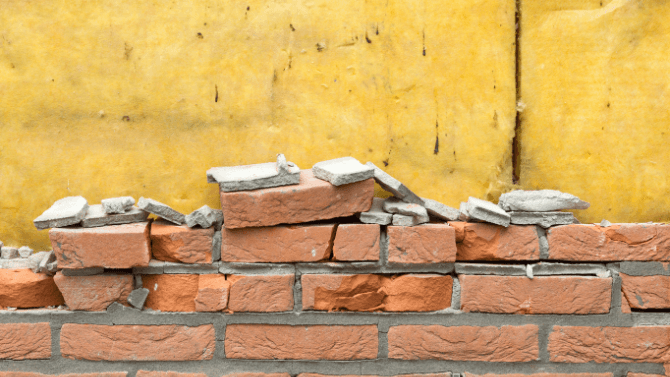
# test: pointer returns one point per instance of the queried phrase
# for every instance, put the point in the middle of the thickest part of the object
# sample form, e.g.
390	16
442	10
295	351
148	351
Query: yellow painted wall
103	99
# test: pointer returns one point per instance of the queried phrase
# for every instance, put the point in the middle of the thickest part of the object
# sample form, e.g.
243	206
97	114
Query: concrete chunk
64	212
48	258
35	260
394	186
403	220
486	211
83	271
395	205
25	251
117	205
162	210
605	223
205	217
96	217
376	214
216	246
252	177
137	297
9	252
543	219
540	201
441	211
341	171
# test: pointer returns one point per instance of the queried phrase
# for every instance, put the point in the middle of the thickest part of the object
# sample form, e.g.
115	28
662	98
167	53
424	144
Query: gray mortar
544	242
191	268
216	246
644	268
237	268
456	295
83	271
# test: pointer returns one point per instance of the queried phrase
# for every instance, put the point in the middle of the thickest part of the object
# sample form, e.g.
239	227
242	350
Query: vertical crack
516	144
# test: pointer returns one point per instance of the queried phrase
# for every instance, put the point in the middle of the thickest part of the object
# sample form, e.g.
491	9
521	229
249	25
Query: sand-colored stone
25	341
634	242
261	293
356	242
464	343
137	343
428	243
179	243
299	243
489	242
146	373
95	292
22	288
213	291
540	295
113	246
646	292
317	342
171	292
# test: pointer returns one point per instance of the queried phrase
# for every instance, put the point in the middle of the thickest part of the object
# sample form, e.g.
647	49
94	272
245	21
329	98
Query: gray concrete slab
257	176
64	212
162	210
543	219
117	205
397	206
394	186
205	217
376	214
540	201
96	217
402	220
342	171
441	211
486	211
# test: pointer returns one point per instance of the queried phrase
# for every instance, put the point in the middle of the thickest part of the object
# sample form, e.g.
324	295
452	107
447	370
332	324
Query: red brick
318	342
466	343
313	199
279	244
179	243
25	289
540	295
33	374
137	343
213	291
428	243
488	242
356	242
114	246
94	293
25	341
646	292
581	344
639	242
171	292
257	375
261	293
541	375
418	293
145	373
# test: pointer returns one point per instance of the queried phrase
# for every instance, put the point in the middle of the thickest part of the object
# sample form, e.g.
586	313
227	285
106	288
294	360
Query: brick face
25	289
96	292
646	292
261	293
179	243
488	242
171	292
428	243
356	242
25	341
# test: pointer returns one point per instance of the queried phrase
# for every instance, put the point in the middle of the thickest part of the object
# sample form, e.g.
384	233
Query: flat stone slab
117	205
540	201
64	212
96	216
543	219
404	220
376	214
162	210
342	171
486	211
205	217
394	186
441	211
257	176
395	205
7	252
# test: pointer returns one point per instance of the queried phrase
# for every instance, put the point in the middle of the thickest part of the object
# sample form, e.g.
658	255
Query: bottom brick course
22	341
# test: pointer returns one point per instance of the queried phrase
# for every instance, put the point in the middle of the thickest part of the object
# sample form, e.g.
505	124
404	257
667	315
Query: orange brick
418	293
179	243
488	242
171	292
96	292
428	243
356	242
25	341
213	291
25	289
646	292
261	293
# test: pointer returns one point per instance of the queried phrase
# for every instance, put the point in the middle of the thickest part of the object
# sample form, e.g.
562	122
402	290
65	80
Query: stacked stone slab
540	207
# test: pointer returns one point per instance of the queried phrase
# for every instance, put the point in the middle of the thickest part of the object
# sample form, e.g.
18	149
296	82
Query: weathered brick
541	375
33	374
95	292
489	242
137	343
261	293
146	373
171	292
634	242
540	295
313	199
23	288
646	292
318	342
114	246
179	243
466	343
25	341
428	243
213	291
356	242
418	293
581	344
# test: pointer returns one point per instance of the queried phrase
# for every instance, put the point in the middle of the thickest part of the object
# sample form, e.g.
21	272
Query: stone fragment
257	176
342	171
179	243
403	220
94	293
486	211
540	201
441	211
117	205
376	214
313	199
25	251
213	291
543	219
44	262
394	186
162	210
463	212
64	212
96	216
356	242
205	217
605	223
51	268
261	293
429	243
83	271
488	242
216	246
112	246
9	252
26	289
138	297
171	292
395	205
25	341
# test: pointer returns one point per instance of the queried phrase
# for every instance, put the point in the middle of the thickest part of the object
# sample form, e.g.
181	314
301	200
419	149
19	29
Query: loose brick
319	342
213	291
145	373
171	292
466	343
114	246
488	242
137	343
25	341
542	375
541	295
95	292
278	244
633	242
646	292
313	199
25	289
32	374
356	242
179	243
429	243
581	344
261	293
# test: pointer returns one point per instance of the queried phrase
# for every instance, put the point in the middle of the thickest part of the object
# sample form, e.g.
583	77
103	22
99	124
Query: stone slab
394	186
486	211
540	201
205	217
376	214
342	171
117	205
256	176
162	210
9	252
96	216
543	219
439	210
397	206
402	220
64	212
